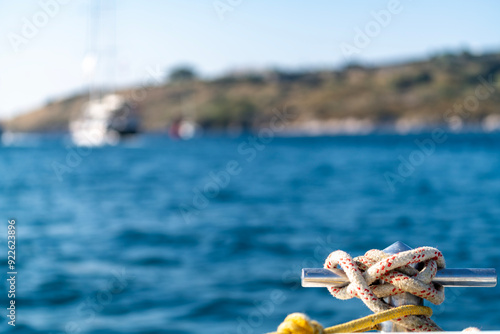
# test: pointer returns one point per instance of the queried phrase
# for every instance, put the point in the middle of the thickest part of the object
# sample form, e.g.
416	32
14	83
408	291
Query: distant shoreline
298	132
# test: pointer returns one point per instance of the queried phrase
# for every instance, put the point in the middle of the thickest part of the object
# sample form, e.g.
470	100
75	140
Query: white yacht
104	121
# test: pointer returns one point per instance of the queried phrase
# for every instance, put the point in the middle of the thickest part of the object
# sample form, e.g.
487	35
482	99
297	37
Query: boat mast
101	56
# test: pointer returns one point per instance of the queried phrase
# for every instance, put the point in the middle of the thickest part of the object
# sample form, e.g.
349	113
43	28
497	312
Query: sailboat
105	121
105	118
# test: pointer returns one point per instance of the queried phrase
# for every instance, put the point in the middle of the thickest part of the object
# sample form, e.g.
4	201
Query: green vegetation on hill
424	92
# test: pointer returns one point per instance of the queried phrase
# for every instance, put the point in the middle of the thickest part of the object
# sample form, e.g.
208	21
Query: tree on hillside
182	73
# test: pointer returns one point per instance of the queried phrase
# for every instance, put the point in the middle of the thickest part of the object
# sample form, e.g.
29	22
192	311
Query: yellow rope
298	323
369	322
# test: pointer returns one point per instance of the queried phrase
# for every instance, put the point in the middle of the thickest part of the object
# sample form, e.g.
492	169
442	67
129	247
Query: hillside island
454	90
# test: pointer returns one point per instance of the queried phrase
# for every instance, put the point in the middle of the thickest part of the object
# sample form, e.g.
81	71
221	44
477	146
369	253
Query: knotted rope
395	275
377	275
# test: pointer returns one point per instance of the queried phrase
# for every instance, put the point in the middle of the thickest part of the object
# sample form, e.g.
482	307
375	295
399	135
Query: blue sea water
137	238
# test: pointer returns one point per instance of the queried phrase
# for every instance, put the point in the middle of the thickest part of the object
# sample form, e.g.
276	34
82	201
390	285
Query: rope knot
299	323
377	275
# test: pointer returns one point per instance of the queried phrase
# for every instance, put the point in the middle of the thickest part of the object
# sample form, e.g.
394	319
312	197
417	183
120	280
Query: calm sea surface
210	235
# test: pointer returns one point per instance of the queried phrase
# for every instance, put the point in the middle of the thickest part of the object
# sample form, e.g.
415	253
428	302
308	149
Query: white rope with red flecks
377	275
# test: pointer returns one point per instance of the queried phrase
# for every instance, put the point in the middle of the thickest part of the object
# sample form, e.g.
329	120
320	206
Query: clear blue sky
159	34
